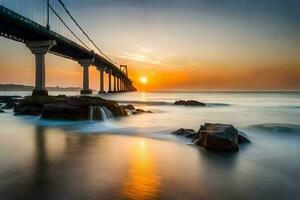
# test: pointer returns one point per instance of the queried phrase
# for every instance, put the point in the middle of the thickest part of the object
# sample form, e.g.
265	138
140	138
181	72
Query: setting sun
143	79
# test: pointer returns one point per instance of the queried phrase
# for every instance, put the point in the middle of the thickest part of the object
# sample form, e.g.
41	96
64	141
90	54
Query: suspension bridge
48	26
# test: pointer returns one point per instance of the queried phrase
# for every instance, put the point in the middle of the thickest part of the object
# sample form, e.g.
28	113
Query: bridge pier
109	81
118	84
101	91
122	85
39	49
85	63
115	83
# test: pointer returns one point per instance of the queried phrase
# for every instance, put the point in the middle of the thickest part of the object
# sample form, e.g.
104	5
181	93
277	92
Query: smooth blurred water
136	157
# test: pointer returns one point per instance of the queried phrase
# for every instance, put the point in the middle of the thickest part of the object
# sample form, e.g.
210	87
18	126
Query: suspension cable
68	27
68	12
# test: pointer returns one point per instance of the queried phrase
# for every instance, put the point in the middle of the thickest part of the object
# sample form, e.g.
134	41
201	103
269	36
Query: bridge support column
109	80
115	83
101	81
122	85
118	84
85	63
39	49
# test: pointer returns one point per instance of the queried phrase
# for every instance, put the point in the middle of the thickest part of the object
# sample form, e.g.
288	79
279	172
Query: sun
144	80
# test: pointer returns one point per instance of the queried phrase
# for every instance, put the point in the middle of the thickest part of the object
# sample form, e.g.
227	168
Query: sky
179	45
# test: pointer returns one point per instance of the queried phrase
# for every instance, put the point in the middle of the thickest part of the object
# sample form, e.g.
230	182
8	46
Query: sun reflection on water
142	182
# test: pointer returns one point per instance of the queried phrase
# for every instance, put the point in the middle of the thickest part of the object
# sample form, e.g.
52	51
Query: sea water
136	157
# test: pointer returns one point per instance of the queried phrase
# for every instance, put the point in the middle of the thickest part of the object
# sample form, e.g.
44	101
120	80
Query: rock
218	137
63	107
9	101
242	138
129	107
189	103
64	111
189	133
5	99
2	111
9	105
140	111
27	110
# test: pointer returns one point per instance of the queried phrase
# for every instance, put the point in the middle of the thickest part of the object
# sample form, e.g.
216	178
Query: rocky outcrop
140	111
189	103
63	107
9	101
132	110
128	107
215	137
189	133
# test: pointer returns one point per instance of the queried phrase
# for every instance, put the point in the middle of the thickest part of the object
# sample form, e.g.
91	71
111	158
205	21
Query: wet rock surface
215	137
189	133
128	107
134	110
189	103
63	107
2	111
9	101
140	111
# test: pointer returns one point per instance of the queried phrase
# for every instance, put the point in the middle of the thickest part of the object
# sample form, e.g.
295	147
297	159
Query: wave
275	128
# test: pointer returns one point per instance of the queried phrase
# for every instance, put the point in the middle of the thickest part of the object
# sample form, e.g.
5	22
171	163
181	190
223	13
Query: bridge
47	26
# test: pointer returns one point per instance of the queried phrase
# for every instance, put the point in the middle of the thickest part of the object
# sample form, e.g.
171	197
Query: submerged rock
189	133
140	111
189	103
128	107
63	107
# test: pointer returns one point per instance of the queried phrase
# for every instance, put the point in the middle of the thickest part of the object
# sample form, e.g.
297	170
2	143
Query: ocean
137	158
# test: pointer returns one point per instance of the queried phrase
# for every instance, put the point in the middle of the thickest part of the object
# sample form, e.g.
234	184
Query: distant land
16	87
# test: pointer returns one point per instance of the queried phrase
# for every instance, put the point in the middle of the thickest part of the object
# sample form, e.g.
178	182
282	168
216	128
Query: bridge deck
17	27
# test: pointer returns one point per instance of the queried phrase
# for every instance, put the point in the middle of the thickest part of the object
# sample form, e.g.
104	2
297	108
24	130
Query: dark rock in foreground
218	137
63	107
189	103
215	137
2	111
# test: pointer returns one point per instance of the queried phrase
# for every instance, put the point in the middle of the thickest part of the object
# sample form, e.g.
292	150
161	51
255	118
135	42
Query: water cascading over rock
99	113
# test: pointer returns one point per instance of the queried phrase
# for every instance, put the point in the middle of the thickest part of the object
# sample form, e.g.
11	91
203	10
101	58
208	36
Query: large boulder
189	103
62	107
218	137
